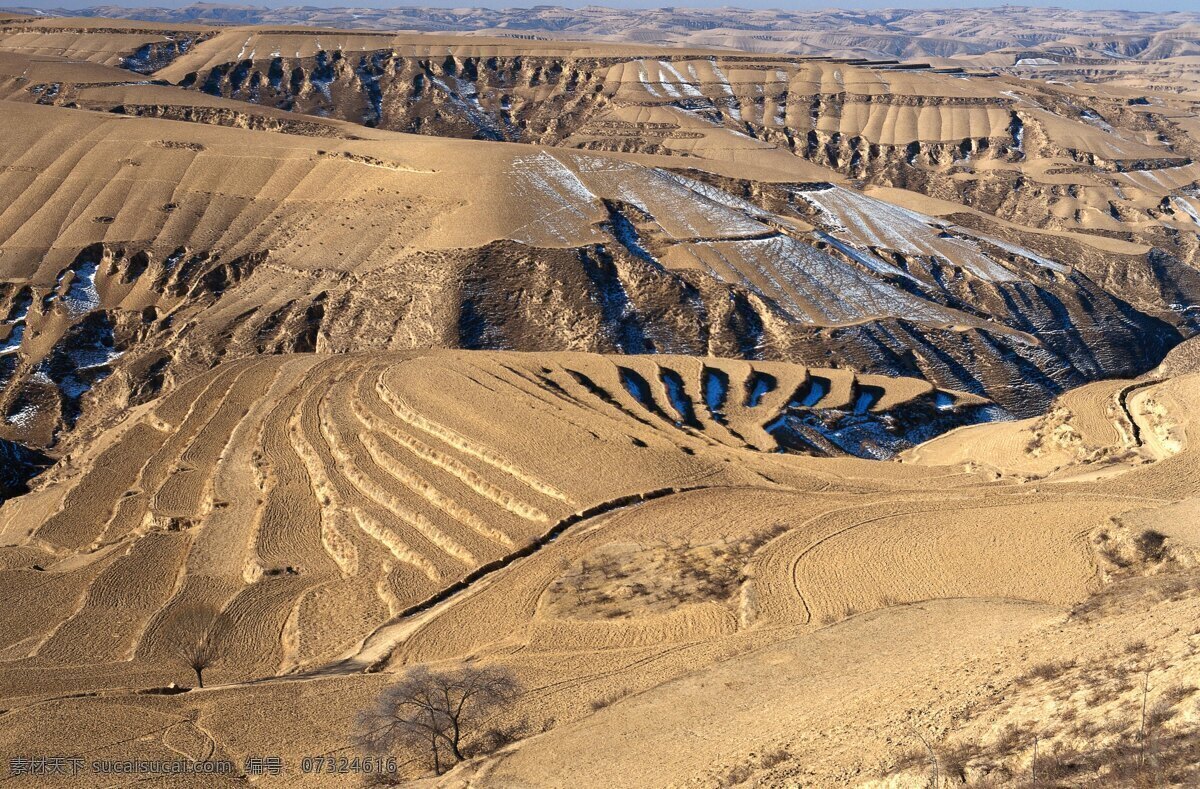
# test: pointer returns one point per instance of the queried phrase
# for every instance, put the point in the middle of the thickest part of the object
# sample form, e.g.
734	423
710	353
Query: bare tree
1033	765
933	760
195	645
1142	727
438	712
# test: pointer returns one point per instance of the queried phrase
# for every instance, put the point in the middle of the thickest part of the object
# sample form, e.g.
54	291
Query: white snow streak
688	88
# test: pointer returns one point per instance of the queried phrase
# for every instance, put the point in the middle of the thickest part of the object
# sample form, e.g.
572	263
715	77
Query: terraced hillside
615	530
771	420
311	498
138	252
1001	145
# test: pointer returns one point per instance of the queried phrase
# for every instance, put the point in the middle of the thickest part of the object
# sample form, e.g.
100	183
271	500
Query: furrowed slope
938	133
138	251
304	500
1078	178
942	134
274	340
679	572
849	701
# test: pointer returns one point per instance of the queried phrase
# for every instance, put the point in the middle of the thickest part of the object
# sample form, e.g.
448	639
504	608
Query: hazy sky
1139	5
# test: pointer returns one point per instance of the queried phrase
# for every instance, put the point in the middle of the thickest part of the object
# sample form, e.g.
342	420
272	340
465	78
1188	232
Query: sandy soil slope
373	487
670	209
679	382
370	488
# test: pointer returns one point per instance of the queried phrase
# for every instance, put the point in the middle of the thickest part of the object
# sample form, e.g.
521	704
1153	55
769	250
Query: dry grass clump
1046	671
619	580
1133	592
741	773
831	617
1176	694
496	736
608	699
738	774
1128	733
1133	552
1021	757
775	757
1170	760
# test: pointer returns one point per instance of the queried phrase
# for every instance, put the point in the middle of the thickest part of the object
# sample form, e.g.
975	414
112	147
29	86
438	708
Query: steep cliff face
107	312
150	57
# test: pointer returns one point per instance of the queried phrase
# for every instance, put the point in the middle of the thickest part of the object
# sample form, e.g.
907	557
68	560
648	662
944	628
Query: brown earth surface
775	420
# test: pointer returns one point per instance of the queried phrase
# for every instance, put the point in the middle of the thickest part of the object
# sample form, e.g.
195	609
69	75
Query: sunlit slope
138	251
842	704
1016	238
673	380
95	41
62	81
311	498
623	529
976	134
896	126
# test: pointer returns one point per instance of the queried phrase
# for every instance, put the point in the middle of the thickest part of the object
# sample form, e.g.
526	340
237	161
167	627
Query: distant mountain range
896	33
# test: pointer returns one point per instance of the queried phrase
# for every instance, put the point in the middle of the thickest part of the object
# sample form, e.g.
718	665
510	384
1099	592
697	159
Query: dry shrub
1131	554
1115	557
738	774
1150	545
1178	693
777	756
954	759
1051	669
1099	753
909	757
496	737
1159	713
196	645
614	583
1167	761
1012	738
1138	593
608	699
